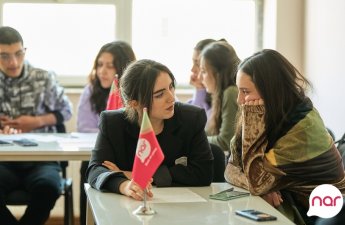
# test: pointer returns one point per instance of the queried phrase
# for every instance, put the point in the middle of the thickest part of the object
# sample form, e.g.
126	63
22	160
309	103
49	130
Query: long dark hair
221	57
280	85
198	48
122	54
137	84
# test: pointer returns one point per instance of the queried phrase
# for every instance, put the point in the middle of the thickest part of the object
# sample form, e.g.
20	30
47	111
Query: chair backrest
341	141
218	163
331	133
341	147
61	128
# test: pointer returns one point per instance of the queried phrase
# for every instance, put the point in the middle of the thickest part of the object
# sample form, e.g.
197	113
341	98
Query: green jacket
229	111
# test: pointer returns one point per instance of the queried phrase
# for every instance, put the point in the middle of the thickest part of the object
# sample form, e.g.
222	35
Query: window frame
123	29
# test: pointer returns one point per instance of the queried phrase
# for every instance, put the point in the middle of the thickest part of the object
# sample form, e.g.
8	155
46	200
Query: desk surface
75	146
111	209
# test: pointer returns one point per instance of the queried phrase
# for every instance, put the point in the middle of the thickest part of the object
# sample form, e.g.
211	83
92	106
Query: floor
59	221
56	216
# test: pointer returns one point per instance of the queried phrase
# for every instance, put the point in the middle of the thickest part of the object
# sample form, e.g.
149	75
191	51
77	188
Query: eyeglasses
19	55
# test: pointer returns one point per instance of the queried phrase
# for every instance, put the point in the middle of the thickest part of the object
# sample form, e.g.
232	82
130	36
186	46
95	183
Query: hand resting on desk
129	187
9	130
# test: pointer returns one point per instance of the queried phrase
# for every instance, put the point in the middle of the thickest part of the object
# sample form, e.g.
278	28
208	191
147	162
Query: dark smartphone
25	142
3	143
255	215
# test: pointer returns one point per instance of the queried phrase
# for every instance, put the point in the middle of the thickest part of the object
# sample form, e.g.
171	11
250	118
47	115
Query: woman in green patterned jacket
281	143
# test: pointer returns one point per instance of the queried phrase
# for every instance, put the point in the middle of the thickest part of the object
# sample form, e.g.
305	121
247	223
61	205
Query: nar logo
325	201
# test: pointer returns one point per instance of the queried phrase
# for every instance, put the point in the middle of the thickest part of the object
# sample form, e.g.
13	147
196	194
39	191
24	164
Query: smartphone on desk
255	215
25	143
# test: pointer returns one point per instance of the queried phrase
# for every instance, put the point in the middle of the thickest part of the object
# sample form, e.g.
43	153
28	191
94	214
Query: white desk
51	147
111	209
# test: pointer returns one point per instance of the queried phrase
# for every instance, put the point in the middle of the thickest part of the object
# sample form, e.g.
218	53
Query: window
167	31
65	35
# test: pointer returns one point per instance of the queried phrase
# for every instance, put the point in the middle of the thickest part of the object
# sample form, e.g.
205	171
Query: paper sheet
172	195
78	140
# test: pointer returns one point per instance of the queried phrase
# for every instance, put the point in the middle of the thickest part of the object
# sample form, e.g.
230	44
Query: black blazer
183	136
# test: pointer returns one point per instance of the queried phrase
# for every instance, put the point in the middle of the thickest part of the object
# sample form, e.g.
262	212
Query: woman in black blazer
179	129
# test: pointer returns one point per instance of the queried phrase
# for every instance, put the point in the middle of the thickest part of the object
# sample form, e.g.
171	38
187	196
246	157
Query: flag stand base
144	210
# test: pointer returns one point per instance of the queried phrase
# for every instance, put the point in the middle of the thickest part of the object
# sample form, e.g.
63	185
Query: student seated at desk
111	59
179	130
200	96
281	142
32	101
218	64
213	76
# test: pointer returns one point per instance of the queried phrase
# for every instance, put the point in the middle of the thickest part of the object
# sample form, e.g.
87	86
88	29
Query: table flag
114	99
148	154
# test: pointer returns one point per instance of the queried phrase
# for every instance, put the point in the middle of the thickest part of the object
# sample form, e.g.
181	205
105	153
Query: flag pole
144	209
145	192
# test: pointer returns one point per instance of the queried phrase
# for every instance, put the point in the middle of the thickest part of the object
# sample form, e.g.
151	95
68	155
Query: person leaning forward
179	129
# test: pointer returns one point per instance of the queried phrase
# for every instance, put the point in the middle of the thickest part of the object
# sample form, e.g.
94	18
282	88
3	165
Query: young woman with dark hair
281	144
219	63
179	129
111	60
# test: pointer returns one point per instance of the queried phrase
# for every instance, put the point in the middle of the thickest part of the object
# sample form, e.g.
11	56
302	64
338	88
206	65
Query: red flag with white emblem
148	154
114	99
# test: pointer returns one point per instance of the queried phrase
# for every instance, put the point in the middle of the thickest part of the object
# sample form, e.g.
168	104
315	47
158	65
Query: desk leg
89	216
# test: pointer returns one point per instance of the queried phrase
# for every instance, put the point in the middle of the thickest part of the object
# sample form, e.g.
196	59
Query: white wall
284	29
311	34
325	60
